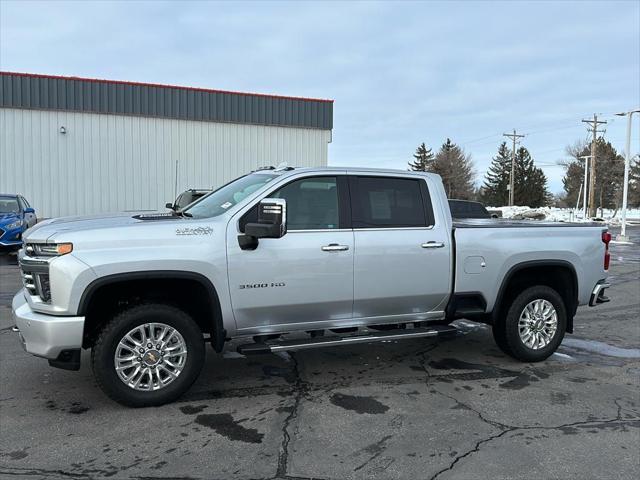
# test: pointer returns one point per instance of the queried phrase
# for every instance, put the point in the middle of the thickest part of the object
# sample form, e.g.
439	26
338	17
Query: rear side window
384	202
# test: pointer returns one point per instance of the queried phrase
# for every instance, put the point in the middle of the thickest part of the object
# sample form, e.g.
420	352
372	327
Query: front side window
221	200
312	203
380	202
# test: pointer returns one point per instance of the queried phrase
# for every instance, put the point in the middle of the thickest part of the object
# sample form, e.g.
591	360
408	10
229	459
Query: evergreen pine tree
423	159
609	174
530	184
495	190
456	169
634	184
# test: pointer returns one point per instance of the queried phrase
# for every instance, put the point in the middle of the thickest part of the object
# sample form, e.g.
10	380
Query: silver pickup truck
289	259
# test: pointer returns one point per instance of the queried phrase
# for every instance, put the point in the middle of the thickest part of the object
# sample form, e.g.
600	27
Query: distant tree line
456	169
458	176
609	177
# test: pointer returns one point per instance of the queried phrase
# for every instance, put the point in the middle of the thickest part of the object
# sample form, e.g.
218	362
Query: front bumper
597	295
11	238
45	335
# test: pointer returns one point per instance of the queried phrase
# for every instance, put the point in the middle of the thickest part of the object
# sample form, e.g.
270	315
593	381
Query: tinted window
387	203
312	203
479	210
467	209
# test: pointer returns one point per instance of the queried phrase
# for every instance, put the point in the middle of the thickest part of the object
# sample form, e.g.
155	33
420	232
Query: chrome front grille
35	277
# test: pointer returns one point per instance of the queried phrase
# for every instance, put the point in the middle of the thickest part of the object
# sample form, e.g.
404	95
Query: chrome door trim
384	229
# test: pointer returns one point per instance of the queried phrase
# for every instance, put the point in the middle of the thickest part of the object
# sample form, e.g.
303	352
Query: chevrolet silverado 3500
290	259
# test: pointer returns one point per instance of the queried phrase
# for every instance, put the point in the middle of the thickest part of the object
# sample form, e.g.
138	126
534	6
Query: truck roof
348	169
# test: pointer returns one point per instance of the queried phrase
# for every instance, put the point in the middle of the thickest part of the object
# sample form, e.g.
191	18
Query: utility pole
593	124
514	136
584	192
625	189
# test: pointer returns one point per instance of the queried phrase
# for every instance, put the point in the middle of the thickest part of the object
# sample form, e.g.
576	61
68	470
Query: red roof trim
176	87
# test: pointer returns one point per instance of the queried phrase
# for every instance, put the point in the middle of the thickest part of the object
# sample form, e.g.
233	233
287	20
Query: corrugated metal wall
108	163
20	90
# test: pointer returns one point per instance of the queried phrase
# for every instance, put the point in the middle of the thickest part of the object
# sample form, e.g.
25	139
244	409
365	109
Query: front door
402	255
303	280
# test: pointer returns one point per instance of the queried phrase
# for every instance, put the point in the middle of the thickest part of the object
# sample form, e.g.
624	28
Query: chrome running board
319	342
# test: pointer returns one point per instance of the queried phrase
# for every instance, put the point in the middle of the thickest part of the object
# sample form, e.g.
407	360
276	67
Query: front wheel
148	355
533	326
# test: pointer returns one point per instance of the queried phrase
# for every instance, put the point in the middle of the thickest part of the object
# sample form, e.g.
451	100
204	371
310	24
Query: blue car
16	215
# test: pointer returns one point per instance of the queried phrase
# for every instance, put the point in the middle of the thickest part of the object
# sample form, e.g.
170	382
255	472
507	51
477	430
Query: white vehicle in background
291	259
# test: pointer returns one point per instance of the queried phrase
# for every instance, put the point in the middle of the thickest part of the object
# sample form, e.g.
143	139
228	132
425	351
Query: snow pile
553	214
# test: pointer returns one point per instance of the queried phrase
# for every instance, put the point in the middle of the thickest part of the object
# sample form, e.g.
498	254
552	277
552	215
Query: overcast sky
400	73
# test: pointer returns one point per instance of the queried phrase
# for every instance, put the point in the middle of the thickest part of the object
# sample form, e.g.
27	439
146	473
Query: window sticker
226	205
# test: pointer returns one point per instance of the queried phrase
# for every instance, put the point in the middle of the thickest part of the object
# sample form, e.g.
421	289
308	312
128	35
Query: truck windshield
221	200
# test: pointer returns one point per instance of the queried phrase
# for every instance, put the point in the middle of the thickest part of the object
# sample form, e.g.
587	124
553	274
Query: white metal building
82	146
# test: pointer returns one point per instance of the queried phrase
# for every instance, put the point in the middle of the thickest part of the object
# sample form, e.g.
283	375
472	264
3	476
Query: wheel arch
123	287
557	274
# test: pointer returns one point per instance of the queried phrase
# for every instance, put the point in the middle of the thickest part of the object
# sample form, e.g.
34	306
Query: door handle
432	245
334	247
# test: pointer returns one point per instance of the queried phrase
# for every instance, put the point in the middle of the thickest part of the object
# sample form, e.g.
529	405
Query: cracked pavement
417	409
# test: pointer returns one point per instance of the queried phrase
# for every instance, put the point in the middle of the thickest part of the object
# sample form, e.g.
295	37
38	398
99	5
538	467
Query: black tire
506	331
104	349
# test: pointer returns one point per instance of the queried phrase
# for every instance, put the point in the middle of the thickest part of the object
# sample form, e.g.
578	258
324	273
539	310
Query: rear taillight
606	238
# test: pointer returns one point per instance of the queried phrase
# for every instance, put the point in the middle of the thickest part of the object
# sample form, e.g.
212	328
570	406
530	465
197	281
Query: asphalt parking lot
420	409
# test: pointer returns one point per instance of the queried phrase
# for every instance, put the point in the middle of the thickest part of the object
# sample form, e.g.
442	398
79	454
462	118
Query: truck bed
485	254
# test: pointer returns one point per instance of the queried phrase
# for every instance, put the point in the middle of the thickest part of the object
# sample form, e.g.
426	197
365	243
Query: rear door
402	257
304	279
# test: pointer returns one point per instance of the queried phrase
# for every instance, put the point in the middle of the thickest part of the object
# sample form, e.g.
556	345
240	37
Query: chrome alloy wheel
150	356
538	324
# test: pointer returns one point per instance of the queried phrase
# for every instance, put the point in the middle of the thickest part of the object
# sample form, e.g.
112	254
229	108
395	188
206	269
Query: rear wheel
148	355
534	324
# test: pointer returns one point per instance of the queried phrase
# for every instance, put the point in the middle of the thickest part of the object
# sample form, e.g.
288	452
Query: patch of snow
471	325
553	214
563	355
601	348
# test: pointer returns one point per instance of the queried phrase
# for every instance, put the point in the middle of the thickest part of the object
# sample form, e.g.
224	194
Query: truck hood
49	229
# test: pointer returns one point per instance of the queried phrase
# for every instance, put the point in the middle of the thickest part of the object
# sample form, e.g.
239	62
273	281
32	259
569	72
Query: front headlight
16	224
48	249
